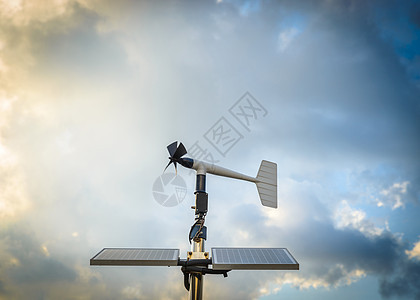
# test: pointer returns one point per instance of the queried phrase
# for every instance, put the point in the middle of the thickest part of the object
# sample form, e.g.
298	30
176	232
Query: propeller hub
176	152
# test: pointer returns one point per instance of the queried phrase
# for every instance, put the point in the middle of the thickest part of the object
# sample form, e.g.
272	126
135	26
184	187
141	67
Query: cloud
346	217
13	197
133	292
404	283
336	277
385	186
25	261
394	194
21	13
91	90
415	252
286	37
334	251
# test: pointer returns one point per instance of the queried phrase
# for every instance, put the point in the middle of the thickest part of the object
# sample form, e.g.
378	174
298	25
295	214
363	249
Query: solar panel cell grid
253	258
136	256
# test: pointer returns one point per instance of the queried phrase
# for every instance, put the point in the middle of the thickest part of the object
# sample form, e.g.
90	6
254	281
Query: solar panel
136	257
253	259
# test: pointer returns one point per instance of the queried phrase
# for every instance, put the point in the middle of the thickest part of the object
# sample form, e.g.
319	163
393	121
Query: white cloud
393	195
347	217
3	67
21	13
286	37
13	197
10	7
132	292
64	142
344	277
415	252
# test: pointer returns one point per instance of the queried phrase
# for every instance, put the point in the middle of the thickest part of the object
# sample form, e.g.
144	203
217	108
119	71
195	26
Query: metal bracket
197	267
197	255
198	231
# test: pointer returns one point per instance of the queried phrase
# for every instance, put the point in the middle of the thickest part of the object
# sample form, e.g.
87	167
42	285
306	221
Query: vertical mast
198	234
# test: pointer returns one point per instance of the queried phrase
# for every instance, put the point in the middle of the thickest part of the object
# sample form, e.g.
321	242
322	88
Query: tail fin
267	183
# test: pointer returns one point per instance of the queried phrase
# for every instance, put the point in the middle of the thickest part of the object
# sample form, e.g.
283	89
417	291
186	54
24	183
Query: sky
92	92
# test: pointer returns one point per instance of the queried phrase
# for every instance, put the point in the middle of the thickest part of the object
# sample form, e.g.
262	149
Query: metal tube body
202	168
196	279
200	183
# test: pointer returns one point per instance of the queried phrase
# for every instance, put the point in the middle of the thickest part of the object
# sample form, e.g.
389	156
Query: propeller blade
180	151
167	166
176	171
172	148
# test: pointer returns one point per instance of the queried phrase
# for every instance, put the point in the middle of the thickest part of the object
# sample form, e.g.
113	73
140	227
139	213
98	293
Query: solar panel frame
253	259
136	257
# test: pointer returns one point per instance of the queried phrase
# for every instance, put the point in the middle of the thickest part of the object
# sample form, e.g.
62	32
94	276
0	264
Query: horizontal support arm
202	168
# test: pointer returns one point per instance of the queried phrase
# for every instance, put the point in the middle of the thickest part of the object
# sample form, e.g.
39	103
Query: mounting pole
198	234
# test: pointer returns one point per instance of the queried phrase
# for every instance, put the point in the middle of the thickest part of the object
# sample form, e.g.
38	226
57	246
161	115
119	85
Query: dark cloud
25	263
324	251
3	290
405	282
321	242
415	15
40	269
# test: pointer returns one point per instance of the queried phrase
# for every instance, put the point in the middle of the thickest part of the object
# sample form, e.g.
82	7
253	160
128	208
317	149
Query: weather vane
198	262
